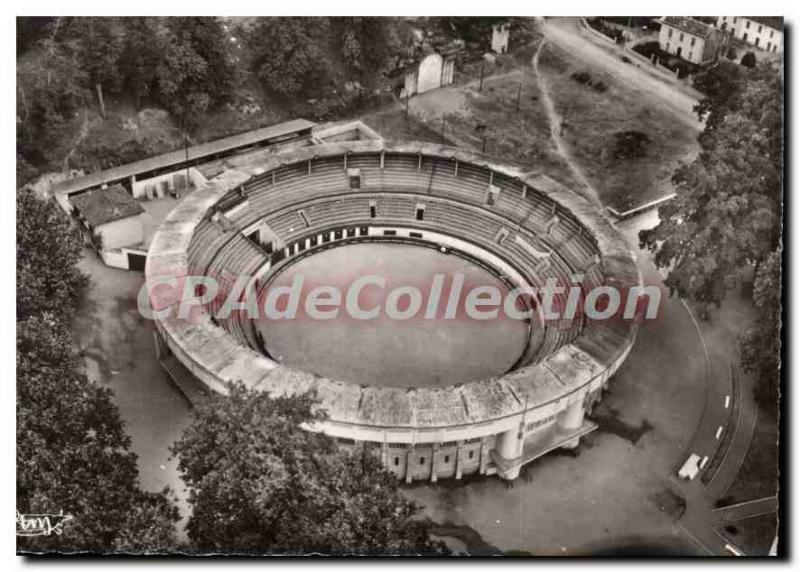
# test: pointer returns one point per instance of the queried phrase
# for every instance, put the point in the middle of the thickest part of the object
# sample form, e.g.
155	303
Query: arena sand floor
413	352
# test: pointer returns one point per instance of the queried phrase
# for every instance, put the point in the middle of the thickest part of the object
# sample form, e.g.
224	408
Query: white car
690	468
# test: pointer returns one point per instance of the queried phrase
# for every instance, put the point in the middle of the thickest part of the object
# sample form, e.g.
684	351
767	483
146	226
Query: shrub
647	49
582	77
749	60
630	144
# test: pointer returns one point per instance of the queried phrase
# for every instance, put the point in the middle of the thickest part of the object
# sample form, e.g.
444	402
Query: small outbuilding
111	220
500	37
431	70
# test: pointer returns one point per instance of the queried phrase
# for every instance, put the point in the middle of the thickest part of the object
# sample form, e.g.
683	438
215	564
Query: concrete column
409	463
459	458
434	461
385	454
572	419
508	444
484	454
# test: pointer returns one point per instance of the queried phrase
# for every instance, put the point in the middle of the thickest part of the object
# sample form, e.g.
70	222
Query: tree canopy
140	57
48	250
726	216
73	454
259	483
289	55
761	344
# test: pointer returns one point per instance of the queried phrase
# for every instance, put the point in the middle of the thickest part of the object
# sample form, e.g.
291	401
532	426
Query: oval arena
434	399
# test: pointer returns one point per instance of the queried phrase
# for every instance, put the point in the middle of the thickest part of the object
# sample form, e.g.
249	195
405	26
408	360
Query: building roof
688	25
775	22
102	206
210	149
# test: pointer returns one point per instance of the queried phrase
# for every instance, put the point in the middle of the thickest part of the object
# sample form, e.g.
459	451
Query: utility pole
407	98
481	129
519	92
480	85
186	149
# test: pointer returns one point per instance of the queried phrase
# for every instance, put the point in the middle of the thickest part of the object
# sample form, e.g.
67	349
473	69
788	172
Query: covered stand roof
173	158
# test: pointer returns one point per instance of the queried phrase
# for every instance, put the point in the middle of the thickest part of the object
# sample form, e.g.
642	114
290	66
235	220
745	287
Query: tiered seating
293	186
454	204
207	240
237	258
370	167
470	186
286	223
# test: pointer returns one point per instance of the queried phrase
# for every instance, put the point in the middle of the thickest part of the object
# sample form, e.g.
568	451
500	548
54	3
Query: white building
111	221
765	33
433	70
690	39
500	37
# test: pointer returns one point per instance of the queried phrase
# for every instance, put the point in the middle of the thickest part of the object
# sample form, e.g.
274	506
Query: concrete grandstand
261	218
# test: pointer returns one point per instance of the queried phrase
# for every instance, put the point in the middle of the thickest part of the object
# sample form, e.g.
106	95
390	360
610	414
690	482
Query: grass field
591	119
515	133
393	124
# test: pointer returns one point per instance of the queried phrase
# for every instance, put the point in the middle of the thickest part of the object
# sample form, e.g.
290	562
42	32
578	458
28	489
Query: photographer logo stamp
41	524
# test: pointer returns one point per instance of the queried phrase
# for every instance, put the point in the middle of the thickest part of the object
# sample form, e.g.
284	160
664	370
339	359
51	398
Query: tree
761	344
258	482
73	455
471	29
206	38
50	91
720	84
48	250
725	218
749	60
140	57
194	73
367	46
30	30
97	46
290	55
178	83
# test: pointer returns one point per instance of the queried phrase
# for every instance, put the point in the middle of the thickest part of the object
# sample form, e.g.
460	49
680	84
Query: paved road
697	521
728	514
717	342
569	34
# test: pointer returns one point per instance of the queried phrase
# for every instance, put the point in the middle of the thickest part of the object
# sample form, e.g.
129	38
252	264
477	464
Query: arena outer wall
492	426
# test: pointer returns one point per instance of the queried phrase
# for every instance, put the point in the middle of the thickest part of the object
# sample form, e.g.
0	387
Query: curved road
570	35
726	409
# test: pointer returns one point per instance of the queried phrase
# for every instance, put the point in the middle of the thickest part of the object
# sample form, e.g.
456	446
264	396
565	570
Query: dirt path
83	133
556	127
